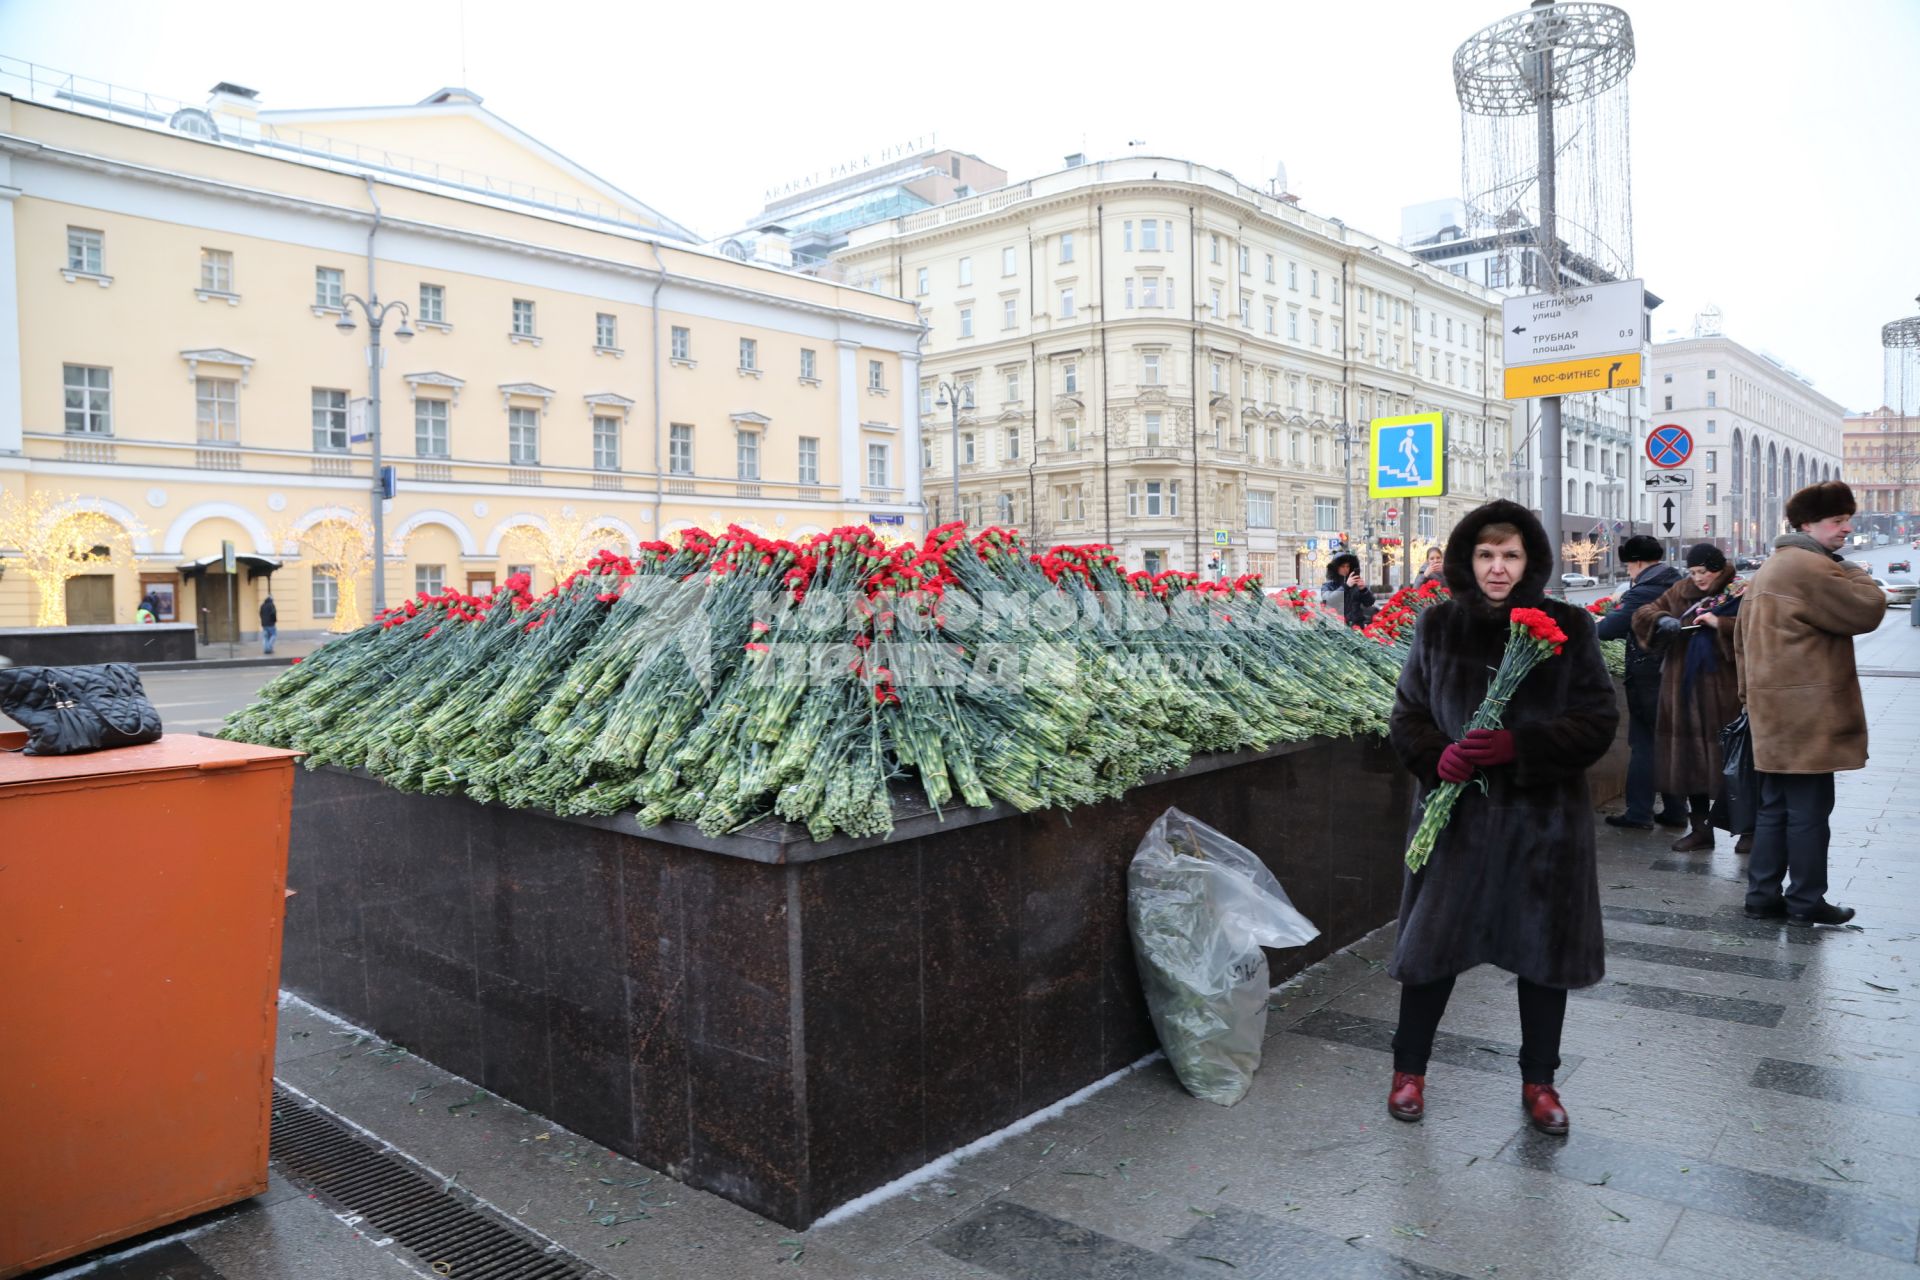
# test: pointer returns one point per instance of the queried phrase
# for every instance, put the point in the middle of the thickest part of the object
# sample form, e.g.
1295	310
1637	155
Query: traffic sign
1221	537
1668	481
1571	377
1407	457
1669	445
1666	523
1585	321
1393	513
1313	544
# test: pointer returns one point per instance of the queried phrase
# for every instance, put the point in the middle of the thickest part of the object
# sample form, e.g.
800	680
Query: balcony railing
88	450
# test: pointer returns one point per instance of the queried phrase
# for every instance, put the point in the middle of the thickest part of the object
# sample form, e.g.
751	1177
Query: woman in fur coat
1699	685
1513	880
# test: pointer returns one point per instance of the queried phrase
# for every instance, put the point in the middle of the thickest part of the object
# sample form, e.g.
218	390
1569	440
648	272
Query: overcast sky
1776	143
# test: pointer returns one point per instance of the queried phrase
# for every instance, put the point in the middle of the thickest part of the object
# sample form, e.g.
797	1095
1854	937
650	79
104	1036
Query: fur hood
1458	571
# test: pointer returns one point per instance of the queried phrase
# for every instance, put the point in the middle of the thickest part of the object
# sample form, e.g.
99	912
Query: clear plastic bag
1200	907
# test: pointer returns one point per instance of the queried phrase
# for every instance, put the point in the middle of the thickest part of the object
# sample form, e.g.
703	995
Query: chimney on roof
449	96
229	99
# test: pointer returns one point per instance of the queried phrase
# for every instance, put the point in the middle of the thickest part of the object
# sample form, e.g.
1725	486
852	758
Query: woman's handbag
1739	799
68	710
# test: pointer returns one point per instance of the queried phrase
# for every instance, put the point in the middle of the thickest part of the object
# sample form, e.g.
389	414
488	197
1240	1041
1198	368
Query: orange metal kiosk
141	900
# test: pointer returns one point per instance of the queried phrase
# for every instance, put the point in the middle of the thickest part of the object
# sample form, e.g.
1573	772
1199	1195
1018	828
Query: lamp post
1346	433
376	313
956	398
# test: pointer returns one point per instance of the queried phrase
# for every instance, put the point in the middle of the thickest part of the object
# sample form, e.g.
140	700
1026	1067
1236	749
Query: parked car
1900	566
1900	591
1748	563
1576	580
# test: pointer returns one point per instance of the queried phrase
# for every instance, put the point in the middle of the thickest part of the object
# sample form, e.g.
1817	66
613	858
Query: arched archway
256	529
469	545
518	520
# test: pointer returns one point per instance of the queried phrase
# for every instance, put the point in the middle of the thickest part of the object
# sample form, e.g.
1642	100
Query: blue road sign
1669	445
1407	460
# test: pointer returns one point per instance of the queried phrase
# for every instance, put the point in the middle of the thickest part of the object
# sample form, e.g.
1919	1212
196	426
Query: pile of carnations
724	679
1393	622
1614	651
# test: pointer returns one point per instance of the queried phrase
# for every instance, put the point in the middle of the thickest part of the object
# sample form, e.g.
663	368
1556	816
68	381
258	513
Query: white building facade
1759	431
1147	353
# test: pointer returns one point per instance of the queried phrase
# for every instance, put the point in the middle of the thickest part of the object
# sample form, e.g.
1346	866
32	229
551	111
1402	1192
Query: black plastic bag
1739	798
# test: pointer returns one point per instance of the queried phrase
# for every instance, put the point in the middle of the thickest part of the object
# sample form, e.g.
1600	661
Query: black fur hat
1819	502
1643	548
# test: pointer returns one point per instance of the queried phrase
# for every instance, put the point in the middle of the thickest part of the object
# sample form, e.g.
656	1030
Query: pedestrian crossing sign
1407	458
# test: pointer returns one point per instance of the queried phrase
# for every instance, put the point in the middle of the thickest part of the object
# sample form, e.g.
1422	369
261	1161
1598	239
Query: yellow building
172	285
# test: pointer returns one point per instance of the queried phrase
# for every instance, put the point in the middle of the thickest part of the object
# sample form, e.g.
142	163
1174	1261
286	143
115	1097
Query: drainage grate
449	1233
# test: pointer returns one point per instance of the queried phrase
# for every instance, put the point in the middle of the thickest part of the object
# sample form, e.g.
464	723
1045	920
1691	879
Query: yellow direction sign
1571	377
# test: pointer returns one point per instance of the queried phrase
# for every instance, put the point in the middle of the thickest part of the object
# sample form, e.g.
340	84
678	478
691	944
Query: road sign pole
1550	443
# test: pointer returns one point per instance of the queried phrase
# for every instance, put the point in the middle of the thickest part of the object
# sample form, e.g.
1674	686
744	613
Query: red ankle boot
1543	1108
1407	1099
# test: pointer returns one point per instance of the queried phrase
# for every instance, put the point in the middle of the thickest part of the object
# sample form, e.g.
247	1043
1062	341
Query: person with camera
1345	591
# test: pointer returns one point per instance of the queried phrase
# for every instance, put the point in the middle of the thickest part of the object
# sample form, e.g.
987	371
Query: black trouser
1643	715
1543	1010
1702	804
1790	840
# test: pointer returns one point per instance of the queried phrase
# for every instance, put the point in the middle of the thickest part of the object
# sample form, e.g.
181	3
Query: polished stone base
79	646
789	1033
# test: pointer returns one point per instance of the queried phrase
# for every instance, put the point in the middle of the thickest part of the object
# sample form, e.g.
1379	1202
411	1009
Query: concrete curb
214	664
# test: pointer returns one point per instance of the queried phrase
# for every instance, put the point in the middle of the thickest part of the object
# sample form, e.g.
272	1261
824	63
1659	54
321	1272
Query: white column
910	426
12	410
849	420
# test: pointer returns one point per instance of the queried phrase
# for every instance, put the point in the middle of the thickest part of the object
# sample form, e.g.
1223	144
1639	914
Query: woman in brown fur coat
1699	685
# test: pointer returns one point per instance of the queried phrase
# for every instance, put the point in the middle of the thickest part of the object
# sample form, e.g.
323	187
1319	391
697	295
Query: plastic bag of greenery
1200	908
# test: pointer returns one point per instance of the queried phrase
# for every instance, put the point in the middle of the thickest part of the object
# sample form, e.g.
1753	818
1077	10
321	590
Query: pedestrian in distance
1513	880
1435	570
1794	639
1691	626
148	610
1649	577
269	622
1346	592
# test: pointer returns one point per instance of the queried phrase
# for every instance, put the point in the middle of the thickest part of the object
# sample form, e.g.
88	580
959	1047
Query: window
1293	324
329	288
1272	319
89	399
1313	283
682	343
1713	428
749	355
1150	236
326	592
1213	303
876	375
1246	311
84	250
1271	383
1009	312
1126	235
1313	330
1246	260
1293	275
966	322
1259	509
1711	375
1009	261
1150	432
522	318
216	270
523	436
1667	378
1216	376
1013	384
680	449
1162	498
1219	434
329	421
1497	271
879	474
1669	402
1013	444
433	304
521	571
1335	344
429	578
1066	304
1713	399
809	459
1066	246
746	453
606	331
1426	522
1713	494
216	405
1713	461
966	448
1070	433
922	285
1153	559
606	442
966	271
1129	292
810	365
430	434
1326	515
1150	368
1270	277
1213	247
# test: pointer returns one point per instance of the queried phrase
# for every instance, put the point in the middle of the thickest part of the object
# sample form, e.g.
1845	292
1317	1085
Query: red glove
1454	765
1487	747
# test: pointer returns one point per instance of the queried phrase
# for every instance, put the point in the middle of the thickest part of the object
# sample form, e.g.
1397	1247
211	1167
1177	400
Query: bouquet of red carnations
1532	638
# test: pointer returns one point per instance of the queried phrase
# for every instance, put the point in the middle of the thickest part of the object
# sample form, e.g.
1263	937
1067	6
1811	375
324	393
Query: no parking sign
1669	445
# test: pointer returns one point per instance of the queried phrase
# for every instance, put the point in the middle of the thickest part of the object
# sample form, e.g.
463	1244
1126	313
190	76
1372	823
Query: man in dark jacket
269	622
1346	592
1649	575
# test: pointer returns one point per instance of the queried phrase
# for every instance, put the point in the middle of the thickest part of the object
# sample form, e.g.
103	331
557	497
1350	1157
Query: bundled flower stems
724	679
1532	638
